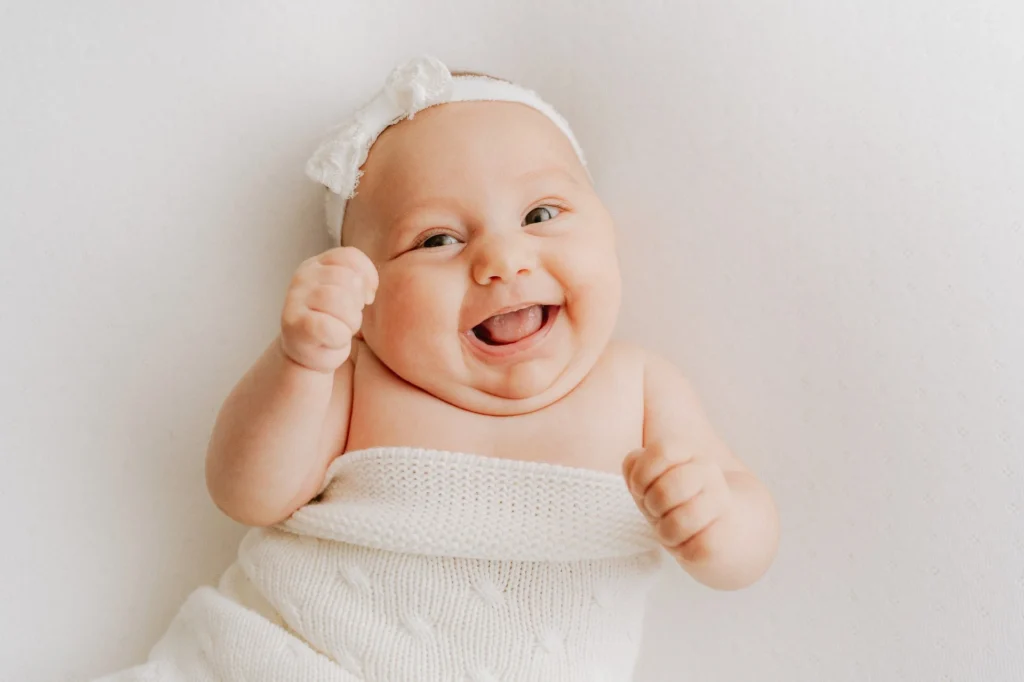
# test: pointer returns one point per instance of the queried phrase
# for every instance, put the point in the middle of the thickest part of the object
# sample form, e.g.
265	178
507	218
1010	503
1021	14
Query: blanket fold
425	565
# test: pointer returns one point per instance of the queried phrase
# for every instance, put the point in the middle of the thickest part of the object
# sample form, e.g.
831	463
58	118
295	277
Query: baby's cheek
388	307
589	266
411	304
593	291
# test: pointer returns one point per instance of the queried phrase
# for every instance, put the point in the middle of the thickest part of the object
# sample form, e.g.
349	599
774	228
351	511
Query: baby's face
499	281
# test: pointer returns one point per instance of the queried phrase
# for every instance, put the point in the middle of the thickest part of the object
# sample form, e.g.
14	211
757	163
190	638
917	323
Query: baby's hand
681	492
324	307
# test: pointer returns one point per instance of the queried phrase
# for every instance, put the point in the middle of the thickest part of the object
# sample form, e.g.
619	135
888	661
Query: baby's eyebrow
433	206
548	172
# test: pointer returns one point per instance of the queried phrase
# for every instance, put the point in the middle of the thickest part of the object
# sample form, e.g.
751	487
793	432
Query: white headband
415	85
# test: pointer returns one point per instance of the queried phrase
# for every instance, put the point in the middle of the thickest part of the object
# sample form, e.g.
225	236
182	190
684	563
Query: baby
453	471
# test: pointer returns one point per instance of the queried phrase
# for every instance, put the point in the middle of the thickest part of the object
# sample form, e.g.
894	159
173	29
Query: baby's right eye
436	240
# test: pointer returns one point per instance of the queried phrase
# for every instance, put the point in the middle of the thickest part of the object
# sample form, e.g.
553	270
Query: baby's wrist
294	364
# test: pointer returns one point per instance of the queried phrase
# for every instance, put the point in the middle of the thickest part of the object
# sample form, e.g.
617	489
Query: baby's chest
595	426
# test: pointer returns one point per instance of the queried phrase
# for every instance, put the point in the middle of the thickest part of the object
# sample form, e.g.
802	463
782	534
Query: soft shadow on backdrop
821	221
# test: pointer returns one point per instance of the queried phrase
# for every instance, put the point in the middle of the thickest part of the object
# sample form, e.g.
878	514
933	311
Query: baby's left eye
540	214
436	240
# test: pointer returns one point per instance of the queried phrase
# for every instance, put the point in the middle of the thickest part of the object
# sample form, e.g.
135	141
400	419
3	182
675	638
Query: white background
821	212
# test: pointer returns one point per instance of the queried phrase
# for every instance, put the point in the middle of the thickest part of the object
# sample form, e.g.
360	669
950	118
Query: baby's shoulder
626	357
629	364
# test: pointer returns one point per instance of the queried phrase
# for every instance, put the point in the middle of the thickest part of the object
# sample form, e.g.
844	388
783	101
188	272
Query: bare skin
490	262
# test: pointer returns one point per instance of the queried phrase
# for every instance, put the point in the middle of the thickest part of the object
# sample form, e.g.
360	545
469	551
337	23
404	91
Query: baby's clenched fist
323	308
680	491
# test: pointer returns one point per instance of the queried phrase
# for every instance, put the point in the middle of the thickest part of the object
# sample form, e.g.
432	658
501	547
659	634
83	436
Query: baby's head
499	282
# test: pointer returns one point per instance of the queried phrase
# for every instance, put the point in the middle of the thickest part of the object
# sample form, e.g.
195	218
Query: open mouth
514	326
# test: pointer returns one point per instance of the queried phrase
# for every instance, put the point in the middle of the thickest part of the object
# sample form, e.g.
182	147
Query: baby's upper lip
508	309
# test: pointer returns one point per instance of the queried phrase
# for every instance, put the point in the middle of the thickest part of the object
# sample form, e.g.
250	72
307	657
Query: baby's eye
540	214
436	240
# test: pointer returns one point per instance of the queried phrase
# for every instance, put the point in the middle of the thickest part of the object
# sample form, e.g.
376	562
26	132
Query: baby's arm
709	510
287	418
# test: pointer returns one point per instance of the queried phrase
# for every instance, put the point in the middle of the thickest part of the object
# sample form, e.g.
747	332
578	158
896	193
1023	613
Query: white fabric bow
411	87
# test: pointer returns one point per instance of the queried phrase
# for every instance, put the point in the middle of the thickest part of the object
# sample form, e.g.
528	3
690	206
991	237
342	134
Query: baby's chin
515	390
523	384
503	403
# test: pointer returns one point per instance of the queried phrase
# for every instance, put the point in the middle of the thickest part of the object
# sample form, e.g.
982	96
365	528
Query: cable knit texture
418	565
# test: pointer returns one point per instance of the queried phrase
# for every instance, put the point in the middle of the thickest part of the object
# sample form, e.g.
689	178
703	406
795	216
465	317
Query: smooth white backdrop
821	220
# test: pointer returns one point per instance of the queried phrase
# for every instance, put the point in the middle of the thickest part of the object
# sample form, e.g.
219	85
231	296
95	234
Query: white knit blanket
419	565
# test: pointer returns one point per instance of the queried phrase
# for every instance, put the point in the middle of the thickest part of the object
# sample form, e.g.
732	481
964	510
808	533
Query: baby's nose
502	260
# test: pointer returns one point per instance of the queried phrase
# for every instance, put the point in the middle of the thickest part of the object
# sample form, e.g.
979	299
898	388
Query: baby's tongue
512	327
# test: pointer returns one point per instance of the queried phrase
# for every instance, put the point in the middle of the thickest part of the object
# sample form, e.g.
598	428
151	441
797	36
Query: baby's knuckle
696	550
334	275
291	318
350	279
322	298
345	258
310	326
338	254
656	459
328	257
655	451
344	303
689	474
672	528
304	271
641	476
700	505
297	283
660	497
